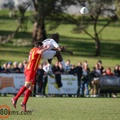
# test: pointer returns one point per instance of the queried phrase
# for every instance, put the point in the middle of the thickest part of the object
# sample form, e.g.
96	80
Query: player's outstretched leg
26	97
21	91
60	59
48	70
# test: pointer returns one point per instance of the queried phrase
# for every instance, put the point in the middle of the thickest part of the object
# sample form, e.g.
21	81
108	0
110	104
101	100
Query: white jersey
53	44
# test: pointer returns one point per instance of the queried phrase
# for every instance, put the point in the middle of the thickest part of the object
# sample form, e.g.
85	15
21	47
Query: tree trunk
39	32
97	47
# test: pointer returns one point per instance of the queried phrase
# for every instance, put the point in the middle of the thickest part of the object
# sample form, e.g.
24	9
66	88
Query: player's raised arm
63	49
42	49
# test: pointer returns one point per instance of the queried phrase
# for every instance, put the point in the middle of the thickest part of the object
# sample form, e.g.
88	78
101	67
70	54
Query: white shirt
99	72
68	67
53	44
84	73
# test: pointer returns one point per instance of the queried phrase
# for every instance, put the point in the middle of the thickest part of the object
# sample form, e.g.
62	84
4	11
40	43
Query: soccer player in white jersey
54	50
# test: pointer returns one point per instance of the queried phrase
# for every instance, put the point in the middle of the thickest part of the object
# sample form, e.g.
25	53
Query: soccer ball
84	10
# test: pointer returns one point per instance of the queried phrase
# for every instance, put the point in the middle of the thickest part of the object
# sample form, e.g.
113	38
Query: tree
22	9
47	10
118	8
54	10
98	8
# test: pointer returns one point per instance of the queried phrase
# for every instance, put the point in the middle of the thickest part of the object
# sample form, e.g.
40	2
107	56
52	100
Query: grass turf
83	47
67	108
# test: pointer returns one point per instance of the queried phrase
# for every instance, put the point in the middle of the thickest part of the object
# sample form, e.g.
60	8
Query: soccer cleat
14	102
23	107
56	86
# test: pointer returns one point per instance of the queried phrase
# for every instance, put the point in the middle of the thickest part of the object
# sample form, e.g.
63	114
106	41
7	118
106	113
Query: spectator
117	70
109	72
85	80
46	68
39	79
16	69
79	75
57	71
100	66
21	67
9	67
4	69
85	62
68	65
72	70
95	81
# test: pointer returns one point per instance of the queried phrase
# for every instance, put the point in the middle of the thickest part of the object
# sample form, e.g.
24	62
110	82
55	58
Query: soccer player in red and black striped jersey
30	72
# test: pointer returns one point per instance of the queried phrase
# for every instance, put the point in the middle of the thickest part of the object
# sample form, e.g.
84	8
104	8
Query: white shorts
48	54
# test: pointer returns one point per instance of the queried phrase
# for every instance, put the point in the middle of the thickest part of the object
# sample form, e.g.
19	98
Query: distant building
12	4
15	3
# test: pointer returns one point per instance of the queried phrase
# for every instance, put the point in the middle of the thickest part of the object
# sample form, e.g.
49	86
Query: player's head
55	36
38	44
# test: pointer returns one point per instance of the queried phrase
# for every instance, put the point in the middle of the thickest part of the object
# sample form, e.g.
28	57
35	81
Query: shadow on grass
83	47
86	48
21	35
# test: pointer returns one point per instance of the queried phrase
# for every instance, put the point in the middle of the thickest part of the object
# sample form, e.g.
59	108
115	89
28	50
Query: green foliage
118	7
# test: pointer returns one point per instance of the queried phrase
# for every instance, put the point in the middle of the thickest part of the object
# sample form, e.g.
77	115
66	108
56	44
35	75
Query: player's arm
63	49
43	49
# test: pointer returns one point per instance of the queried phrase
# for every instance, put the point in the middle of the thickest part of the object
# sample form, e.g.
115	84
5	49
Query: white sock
46	70
63	64
50	67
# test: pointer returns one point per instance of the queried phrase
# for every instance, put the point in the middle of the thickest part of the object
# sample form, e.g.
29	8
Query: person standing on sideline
95	83
39	79
79	76
30	72
100	66
84	80
57	70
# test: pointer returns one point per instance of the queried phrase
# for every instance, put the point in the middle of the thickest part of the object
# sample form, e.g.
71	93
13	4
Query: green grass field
67	108
83	48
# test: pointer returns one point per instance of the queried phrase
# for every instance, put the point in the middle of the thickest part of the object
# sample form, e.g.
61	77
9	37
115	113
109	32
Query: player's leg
29	78
60	59
27	95
21	91
48	55
29	83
